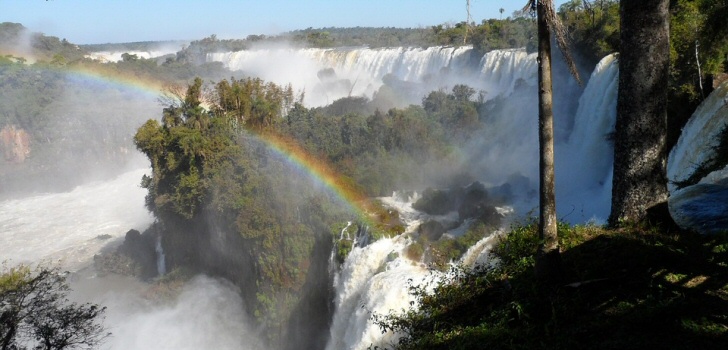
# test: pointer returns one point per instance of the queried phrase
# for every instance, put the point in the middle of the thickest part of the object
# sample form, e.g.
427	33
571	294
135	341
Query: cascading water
584	162
701	207
361	71
376	279
116	56
161	263
72	226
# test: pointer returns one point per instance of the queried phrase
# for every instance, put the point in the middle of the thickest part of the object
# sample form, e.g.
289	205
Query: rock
702	208
14	144
431	230
435	202
473	201
114	262
135	257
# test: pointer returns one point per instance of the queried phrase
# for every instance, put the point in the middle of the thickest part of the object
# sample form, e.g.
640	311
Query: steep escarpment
254	188
227	203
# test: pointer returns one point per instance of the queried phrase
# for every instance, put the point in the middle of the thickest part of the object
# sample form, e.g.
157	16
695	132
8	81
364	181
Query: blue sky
102	21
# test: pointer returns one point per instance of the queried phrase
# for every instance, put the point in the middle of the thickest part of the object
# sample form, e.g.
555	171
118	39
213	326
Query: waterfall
584	162
702	207
699	137
373	279
161	265
376	278
361	71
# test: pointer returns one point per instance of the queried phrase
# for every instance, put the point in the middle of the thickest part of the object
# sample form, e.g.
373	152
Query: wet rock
702	208
435	202
431	230
14	144
474	201
135	257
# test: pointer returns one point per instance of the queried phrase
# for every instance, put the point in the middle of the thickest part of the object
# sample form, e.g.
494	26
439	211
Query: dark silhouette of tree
35	313
640	150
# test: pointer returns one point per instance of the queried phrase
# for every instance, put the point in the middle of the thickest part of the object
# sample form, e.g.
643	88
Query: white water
702	207
116	56
161	262
66	226
584	162
507	150
364	68
699	136
375	279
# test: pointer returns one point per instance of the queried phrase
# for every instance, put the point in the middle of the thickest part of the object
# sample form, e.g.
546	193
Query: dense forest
226	205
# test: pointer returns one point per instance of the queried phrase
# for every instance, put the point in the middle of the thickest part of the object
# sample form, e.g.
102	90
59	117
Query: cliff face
289	308
14	144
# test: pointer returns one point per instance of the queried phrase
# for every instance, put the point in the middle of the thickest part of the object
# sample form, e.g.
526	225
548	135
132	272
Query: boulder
435	202
473	201
14	144
431	230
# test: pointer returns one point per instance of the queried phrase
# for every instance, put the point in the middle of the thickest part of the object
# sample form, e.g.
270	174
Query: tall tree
640	151
548	257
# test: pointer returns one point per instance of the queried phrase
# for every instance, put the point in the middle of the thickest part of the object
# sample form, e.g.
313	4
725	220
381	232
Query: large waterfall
506	152
702	207
376	278
361	71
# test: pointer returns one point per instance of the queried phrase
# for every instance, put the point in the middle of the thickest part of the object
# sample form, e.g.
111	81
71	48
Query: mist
205	313
505	152
82	131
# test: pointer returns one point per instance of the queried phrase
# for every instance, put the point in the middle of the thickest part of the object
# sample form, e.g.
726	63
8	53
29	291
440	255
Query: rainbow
106	76
287	149
99	73
150	87
343	188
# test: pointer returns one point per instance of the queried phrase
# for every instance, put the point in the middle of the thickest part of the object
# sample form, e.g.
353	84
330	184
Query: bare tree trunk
697	62
640	181
548	253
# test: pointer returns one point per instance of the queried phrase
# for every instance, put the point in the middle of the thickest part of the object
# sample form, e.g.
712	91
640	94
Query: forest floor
637	287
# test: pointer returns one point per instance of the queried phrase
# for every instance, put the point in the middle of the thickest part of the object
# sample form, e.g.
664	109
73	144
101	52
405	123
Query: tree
35	313
548	258
640	151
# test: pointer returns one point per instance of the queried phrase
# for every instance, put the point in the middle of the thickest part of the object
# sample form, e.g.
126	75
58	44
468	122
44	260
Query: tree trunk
548	252
640	180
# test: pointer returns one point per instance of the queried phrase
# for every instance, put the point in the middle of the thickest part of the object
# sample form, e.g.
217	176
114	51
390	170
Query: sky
113	21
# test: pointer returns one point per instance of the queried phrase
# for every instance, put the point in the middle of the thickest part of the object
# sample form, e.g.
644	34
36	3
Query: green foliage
14	36
493	34
593	27
208	166
615	282
698	47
